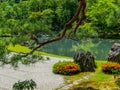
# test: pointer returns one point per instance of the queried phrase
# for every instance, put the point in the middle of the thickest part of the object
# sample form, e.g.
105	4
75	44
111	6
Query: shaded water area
67	47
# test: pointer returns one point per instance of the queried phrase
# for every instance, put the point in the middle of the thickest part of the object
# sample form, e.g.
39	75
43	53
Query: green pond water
98	47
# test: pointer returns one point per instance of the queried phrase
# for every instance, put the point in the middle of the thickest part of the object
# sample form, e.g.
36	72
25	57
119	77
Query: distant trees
104	17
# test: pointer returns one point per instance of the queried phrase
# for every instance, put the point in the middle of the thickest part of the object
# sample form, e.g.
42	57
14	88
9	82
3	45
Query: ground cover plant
66	68
25	85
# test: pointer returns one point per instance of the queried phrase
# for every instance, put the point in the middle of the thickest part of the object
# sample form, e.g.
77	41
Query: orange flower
117	66
108	67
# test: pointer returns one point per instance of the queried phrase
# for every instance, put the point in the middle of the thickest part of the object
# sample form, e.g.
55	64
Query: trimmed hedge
66	68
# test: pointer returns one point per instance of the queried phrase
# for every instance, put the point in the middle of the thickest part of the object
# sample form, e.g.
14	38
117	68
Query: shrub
66	68
24	85
110	68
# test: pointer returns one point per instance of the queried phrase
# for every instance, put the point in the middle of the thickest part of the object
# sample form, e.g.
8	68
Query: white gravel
40	72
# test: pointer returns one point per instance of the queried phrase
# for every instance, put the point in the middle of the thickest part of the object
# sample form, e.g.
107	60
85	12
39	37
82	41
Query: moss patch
70	79
19	48
101	85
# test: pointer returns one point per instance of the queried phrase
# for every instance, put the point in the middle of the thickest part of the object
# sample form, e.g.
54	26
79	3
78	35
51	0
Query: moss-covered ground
99	81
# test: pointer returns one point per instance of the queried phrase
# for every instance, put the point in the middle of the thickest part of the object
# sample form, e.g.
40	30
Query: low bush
24	85
110	67
66	68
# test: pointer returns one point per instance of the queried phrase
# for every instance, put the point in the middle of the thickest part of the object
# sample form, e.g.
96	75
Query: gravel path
41	73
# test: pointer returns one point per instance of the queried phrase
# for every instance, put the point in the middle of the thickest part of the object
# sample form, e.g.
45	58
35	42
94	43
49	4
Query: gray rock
114	53
86	61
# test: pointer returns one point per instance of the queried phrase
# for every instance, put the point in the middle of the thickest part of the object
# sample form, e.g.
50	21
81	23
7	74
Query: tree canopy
35	23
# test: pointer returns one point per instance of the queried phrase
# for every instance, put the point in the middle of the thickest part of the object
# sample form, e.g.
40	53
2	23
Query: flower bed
66	68
110	67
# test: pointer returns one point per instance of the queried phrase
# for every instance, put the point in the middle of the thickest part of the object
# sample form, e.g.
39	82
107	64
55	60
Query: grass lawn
18	48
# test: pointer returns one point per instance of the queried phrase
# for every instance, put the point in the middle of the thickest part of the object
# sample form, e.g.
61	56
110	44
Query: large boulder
86	61
114	53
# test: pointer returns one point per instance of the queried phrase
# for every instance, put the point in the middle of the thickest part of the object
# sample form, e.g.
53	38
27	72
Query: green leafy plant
17	58
116	72
25	85
66	68
118	82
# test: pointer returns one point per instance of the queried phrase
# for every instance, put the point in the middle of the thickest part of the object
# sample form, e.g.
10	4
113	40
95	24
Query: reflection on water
65	47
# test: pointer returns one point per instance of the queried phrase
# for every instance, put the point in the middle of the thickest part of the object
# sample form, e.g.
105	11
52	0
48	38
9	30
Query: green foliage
24	85
116	72
85	45
23	19
118	82
104	16
44	19
66	68
17	58
86	31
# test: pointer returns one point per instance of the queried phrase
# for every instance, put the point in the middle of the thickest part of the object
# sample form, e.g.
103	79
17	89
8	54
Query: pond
66	47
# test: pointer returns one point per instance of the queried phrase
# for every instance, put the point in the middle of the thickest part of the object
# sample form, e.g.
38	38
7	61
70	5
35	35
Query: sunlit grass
99	75
100	85
19	48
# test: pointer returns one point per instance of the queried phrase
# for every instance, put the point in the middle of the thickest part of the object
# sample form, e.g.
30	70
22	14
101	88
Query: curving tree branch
81	8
